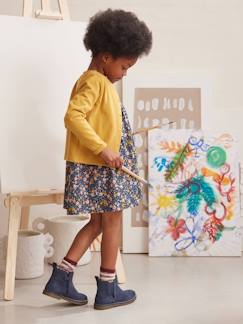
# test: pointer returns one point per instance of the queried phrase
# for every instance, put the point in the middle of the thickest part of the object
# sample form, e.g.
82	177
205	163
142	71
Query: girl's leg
111	226
109	294
85	237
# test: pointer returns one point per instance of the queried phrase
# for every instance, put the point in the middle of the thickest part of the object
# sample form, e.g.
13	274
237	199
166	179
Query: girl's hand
112	158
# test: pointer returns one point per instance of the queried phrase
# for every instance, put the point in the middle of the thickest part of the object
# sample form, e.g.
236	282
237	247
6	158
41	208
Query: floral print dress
92	189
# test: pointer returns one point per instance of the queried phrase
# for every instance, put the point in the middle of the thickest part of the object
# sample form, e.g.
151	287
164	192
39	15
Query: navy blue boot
60	286
109	295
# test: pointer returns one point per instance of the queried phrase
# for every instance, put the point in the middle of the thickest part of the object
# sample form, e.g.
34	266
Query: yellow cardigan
93	119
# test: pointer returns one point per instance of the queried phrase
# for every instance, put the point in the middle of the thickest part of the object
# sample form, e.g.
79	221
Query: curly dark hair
119	33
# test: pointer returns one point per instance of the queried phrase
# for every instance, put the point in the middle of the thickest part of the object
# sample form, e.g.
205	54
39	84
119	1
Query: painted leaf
182	192
208	193
177	163
193	204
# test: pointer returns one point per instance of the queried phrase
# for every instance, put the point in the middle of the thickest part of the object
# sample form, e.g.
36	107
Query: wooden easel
19	203
46	12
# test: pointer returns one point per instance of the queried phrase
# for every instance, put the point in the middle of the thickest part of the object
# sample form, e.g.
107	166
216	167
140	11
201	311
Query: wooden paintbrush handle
134	175
141	130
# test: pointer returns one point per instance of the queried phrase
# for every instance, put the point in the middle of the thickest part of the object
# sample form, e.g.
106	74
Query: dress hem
101	211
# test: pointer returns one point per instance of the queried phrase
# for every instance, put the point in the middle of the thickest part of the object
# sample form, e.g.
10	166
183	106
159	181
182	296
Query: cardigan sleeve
81	102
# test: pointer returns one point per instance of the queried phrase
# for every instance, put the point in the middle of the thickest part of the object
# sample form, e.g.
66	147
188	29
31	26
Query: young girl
99	141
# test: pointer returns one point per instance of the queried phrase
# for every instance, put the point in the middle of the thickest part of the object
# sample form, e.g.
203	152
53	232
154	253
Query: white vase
32	248
63	229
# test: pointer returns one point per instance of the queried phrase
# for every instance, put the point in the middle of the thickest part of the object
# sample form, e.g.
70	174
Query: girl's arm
75	119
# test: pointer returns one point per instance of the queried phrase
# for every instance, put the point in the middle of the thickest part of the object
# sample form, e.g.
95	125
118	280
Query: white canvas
194	199
40	62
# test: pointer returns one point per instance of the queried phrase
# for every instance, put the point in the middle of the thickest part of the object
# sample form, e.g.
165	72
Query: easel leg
95	246
25	211
63	6
121	277
13	226
27	8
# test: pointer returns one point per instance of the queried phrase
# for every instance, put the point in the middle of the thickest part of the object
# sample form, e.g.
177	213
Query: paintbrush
123	168
141	130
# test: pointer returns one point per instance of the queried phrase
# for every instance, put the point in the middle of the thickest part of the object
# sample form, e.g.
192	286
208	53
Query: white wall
189	36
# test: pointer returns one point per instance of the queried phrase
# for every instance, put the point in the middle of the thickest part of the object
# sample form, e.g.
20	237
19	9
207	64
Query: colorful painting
194	194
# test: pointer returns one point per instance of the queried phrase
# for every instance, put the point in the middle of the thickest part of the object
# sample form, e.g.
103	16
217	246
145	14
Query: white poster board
40	62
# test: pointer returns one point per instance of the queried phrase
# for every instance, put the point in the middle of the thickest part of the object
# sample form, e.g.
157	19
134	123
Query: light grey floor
170	290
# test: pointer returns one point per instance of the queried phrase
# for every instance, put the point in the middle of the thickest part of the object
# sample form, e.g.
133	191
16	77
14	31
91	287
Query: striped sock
67	265
107	274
